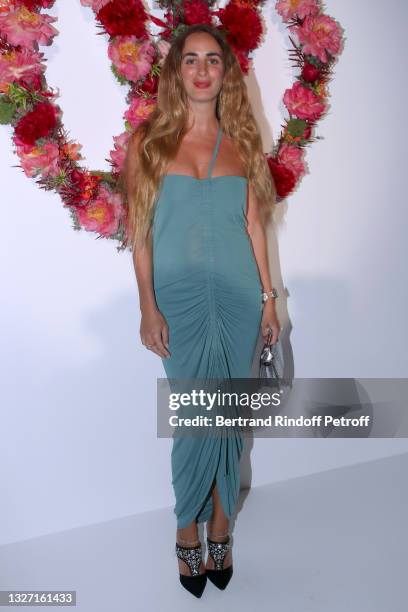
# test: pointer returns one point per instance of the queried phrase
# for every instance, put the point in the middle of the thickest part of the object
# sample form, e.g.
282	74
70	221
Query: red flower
82	189
307	133
285	180
35	124
34	83
124	17
242	58
169	24
243	25
310	73
196	11
34	4
150	84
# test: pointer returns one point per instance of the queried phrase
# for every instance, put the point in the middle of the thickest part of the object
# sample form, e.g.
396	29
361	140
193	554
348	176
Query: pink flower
17	65
139	110
164	47
318	35
119	153
132	59
95	5
39	159
71	150
22	27
288	9
103	214
292	158
303	103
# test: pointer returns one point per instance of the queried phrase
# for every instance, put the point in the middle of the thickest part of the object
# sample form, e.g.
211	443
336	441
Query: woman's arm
153	327
257	235
142	262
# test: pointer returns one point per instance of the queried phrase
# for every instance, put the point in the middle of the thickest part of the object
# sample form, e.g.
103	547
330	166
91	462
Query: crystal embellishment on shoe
219	576
195	583
218	551
192	556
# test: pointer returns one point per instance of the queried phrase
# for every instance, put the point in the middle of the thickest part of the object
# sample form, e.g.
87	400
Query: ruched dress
207	286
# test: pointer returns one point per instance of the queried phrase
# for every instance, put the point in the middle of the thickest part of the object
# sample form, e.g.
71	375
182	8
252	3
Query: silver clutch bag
271	361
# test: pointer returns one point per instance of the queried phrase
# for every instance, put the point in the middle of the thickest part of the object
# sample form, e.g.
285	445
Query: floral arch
42	144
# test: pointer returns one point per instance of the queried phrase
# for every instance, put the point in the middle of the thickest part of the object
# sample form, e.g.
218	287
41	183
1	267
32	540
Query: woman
199	191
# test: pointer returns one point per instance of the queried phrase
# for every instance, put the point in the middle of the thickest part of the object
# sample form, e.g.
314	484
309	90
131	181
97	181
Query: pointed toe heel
219	576
195	583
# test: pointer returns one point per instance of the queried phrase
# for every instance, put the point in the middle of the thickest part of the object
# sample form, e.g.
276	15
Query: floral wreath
94	198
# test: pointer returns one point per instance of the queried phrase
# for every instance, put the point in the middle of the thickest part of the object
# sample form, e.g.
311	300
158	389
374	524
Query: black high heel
195	583
219	576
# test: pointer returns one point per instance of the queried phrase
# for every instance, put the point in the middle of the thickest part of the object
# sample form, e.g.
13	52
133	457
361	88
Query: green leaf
7	110
19	95
155	69
296	127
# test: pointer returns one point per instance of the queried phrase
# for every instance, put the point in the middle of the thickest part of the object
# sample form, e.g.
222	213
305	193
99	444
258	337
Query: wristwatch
272	293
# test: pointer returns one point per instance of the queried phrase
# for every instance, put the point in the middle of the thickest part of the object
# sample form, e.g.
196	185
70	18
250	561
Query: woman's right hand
154	331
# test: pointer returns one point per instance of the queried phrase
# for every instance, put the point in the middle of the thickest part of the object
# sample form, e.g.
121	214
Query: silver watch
272	293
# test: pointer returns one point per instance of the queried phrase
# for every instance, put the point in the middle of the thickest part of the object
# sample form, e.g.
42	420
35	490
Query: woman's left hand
270	321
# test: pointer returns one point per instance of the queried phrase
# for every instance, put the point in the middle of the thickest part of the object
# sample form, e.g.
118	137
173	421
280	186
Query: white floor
331	542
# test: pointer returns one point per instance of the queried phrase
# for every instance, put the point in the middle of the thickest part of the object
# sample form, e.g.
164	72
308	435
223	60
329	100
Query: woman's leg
217	529
188	537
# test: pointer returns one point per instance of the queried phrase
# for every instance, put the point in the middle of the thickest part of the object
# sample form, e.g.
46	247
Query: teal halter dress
207	286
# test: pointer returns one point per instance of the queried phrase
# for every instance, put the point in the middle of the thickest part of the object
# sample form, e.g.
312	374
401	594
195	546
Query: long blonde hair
161	133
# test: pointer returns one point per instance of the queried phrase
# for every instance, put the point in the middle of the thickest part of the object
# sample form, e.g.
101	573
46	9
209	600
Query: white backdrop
78	415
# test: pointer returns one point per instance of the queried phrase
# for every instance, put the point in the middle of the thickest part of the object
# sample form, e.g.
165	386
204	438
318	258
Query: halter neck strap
215	152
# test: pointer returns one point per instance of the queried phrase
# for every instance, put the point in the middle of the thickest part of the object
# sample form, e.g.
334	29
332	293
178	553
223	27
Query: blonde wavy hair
156	140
